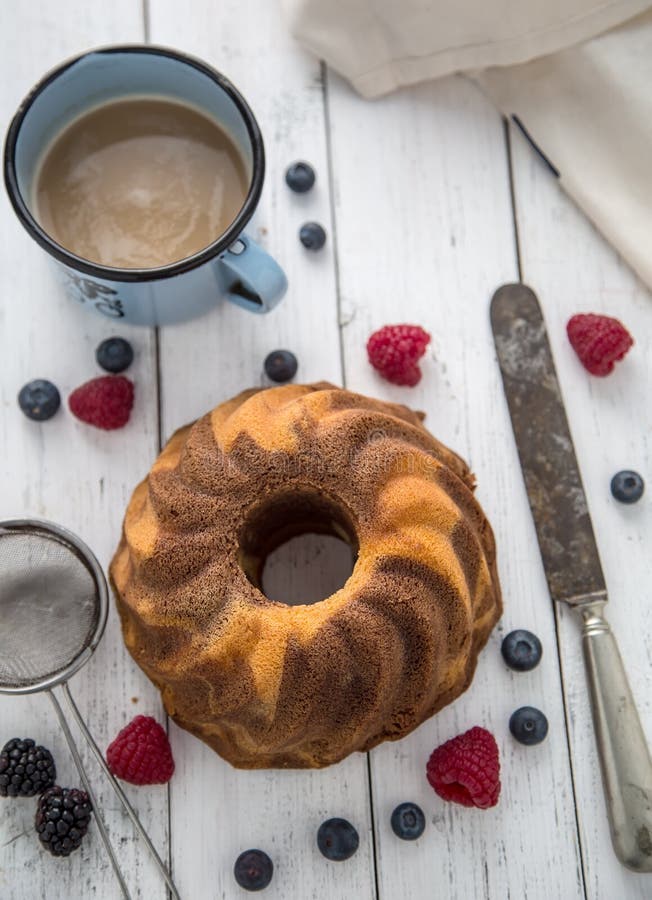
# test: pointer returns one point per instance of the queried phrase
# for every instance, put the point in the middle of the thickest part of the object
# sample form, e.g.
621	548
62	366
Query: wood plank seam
160	442
512	185
333	214
340	332
512	196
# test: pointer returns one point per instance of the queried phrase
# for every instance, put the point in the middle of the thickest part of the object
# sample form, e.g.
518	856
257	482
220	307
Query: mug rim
115	273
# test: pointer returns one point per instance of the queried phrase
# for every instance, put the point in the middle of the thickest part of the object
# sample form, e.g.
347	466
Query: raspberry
466	769
104	402
395	351
141	753
599	341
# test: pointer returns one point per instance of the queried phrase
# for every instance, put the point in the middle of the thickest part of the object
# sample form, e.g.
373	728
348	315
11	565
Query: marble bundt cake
269	684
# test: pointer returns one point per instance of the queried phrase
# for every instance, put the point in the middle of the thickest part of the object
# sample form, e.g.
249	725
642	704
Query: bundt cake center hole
299	547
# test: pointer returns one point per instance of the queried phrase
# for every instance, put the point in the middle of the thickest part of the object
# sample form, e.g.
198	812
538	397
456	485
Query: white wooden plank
307	569
218	811
573	269
72	474
425	235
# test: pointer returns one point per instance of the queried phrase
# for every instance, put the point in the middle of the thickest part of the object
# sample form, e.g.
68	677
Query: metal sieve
53	610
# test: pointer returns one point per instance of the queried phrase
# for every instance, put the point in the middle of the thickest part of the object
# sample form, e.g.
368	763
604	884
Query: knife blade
545	448
572	563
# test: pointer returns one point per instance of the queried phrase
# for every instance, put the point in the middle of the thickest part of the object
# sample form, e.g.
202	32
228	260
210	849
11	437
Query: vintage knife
571	562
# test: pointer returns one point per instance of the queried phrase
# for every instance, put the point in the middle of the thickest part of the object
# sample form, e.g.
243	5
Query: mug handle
255	281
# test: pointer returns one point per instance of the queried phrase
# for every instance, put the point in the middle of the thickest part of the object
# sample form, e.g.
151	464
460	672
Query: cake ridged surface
267	684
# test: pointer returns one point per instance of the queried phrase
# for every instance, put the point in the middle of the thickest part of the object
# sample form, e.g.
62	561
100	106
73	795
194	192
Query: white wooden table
430	204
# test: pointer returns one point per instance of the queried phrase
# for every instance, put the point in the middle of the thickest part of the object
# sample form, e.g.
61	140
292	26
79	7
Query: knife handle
624	755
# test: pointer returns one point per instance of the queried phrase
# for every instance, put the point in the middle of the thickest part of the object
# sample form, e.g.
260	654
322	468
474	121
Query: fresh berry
599	341
300	177
627	486
281	365
395	351
25	769
39	400
253	870
141	753
104	402
62	818
466	769
337	839
408	821
521	650
312	236
528	725
115	354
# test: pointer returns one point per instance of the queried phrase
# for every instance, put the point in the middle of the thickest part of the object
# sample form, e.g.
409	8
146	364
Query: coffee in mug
137	168
139	182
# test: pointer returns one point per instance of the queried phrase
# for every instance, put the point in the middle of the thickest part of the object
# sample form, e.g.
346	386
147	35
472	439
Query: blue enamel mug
232	267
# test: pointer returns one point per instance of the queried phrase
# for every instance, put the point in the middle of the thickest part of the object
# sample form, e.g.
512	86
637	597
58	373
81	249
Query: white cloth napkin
576	73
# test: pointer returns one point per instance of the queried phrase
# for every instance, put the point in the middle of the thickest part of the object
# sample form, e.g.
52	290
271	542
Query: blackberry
115	354
62	818
25	769
337	839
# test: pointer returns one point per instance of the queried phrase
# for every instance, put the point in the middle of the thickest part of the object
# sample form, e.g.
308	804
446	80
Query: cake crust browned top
269	684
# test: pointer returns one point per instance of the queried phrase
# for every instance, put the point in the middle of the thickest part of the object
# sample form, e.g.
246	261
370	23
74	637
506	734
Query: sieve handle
131	812
84	777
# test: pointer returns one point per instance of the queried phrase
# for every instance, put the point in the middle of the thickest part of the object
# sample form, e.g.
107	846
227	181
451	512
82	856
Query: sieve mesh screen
49	607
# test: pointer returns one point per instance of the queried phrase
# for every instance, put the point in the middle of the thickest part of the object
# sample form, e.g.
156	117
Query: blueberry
627	486
300	177
408	821
253	870
39	400
521	650
312	236
114	354
337	839
528	725
281	365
